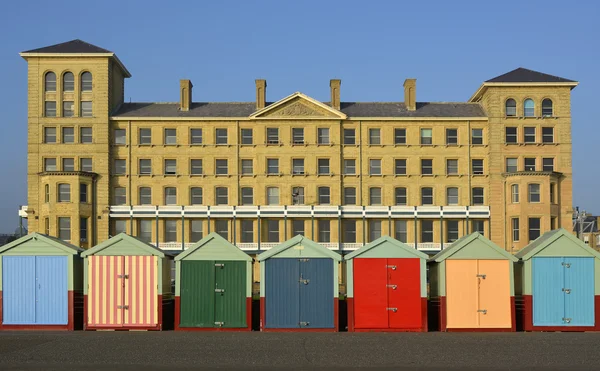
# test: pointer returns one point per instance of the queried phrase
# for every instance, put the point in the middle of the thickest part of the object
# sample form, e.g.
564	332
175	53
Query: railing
172	245
252	246
430	246
351	246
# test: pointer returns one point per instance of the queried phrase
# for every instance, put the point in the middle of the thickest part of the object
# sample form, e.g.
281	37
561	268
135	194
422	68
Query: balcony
346	247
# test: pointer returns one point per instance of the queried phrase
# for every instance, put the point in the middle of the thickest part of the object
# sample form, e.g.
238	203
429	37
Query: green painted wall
217	250
477	249
301	251
248	277
123	248
562	246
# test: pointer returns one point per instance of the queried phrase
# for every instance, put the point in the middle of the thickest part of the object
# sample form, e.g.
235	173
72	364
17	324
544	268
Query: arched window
547	108
511	107
50	81
68	81
86	81
528	108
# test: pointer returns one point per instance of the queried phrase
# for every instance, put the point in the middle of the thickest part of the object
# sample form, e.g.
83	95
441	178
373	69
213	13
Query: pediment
298	106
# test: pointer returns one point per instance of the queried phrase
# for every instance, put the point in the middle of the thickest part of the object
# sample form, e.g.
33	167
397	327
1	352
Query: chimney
185	96
261	93
334	84
410	94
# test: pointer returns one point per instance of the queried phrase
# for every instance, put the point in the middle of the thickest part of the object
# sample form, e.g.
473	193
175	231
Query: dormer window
528	108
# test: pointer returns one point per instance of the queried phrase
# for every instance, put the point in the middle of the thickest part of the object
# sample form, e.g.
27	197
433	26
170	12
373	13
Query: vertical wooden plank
404	293
370	293
461	294
494	294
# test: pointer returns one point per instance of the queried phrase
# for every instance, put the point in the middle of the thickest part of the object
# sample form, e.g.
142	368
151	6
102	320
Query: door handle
392	266
484	311
567	291
392	309
481	276
393	287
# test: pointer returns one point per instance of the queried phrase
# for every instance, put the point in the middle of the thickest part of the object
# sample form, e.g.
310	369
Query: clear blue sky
451	47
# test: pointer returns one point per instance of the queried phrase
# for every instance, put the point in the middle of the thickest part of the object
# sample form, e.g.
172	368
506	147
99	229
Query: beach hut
299	287
386	287
213	287
558	283
472	286
127	285
40	284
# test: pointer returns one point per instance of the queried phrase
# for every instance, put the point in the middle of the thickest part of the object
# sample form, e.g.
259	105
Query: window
530	164
50	164
349	196
119	196
68	164
49	135
451	230
511	107
247	227
375	196
196	167
68	135
400	196
548	164
86	81
528	108
50	109
547	135
547	108
86	109
83	229
170	136
478	226
374	229
120	137
145	136
426	167
298	195
451	137
375	167
477	166
195	136
534	228
170	230
247	167
297	227
323	166
426	136
246	136
272	196
272	230
427	231
452	196
476	136
426	196
401	230
400	167
374	136
529	134
50	81
349	231
273	166
324	195
195	230
145	167
170	196
452	167
511	134
145	196
514	192
511	165
324	231
64	193
47	193
349	136
514	222
298	166
120	167
272	136
120	227
534	192
221	136
68	109
68	82
222	228
399	136
85	164
64	228
478	198
222	195
247	196
221	167
297	135
85	135
196	196
350	167
323	136
552	193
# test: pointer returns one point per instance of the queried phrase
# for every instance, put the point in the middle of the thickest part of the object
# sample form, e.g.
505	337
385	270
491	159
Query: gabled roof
53	241
300	97
525	75
73	46
464	241
211	237
386	239
298	239
124	237
548	238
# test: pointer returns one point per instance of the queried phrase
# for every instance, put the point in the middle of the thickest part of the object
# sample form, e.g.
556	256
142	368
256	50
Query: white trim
297	94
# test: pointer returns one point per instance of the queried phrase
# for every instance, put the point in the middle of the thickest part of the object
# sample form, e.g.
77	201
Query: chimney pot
261	93
410	93
335	84
185	93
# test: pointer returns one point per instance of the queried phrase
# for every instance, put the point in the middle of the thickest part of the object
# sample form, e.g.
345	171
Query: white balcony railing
167	246
351	246
431	246
252	246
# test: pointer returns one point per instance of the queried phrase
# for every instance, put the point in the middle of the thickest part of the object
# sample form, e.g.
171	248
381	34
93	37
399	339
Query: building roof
73	46
524	75
547	238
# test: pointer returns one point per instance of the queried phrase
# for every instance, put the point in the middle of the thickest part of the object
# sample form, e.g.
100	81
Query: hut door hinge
124	276
484	311
220	265
221	291
481	276
392	309
122	306
566	320
220	324
303	280
566	265
393	287
566	291
393	267
304	324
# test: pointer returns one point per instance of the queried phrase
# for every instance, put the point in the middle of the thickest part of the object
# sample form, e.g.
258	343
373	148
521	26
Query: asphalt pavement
302	351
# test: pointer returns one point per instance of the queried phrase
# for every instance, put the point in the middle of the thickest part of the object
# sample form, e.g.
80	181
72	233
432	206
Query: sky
450	47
